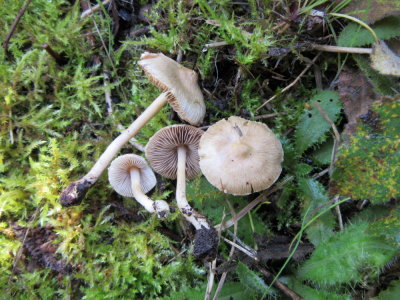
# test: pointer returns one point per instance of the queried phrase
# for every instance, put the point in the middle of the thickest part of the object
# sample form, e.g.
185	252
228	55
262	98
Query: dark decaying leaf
371	11
38	244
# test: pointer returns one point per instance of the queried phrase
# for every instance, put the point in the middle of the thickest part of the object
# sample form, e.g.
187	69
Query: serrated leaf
252	282
323	154
302	169
313	195
313	293
368	167
353	35
348	257
312	126
384	85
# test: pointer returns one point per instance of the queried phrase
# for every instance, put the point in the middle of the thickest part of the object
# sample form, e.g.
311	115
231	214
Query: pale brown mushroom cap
240	157
120	178
162	150
184	94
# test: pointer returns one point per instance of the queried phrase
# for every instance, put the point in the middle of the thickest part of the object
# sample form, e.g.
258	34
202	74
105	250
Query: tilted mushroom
172	152
240	157
130	176
181	90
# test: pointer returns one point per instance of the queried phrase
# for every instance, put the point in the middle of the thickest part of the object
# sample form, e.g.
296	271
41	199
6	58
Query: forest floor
70	82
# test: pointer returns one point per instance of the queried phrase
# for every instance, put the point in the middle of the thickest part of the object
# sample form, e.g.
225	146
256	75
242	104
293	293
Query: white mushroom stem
196	219
73	193
125	136
160	207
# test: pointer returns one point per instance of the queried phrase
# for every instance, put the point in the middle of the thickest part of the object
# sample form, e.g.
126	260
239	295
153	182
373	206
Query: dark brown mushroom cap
120	178
184	94
162	150
240	157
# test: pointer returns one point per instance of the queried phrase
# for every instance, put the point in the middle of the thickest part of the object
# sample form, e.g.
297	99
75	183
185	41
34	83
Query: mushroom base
74	193
205	244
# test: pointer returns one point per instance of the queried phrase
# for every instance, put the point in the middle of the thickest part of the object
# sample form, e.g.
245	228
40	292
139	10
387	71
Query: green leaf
323	154
349	256
382	84
313	195
353	35
313	127
313	293
252	282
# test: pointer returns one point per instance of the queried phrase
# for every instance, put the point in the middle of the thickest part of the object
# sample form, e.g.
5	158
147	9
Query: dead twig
292	83
282	287
61	60
223	276
253	254
336	143
14	25
261	198
338	49
92	9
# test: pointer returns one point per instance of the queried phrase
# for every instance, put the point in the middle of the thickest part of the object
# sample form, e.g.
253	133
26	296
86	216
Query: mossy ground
54	124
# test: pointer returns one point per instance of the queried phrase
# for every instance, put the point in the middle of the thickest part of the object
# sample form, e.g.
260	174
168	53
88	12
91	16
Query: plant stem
339	49
359	22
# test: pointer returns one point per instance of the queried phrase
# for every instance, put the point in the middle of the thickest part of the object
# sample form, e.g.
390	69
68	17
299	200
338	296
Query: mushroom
130	176
181	90
172	152
240	157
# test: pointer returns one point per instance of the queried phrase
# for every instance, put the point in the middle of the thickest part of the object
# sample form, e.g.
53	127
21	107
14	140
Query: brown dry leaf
371	11
356	94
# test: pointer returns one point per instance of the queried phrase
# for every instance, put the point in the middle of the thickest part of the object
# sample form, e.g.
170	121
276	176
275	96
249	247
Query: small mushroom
172	152
130	176
240	157
181	90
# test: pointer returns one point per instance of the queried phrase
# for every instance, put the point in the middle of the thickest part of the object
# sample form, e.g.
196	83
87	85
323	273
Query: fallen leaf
356	94
371	11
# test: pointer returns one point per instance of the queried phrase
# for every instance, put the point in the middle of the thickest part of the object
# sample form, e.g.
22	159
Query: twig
282	287
92	9
107	94
252	204
14	25
253	254
215	45
291	84
338	49
57	57
223	276
336	143
267	116
212	266
320	174
245	251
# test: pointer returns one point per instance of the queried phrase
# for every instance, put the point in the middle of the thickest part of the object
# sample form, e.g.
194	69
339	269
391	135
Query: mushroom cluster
237	156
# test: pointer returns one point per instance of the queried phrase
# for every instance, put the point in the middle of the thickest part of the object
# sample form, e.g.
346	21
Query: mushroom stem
141	197
160	207
192	216
75	191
